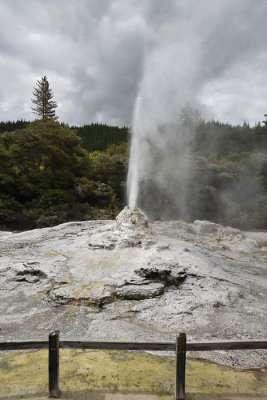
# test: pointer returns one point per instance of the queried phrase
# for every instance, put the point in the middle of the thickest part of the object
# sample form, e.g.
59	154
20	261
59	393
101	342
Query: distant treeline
100	136
211	136
94	136
223	139
10	126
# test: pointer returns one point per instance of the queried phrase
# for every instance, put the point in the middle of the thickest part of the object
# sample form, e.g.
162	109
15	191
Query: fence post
53	364
180	366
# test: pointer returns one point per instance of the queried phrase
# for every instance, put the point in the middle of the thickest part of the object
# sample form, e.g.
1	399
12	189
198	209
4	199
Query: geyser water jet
133	174
134	163
165	88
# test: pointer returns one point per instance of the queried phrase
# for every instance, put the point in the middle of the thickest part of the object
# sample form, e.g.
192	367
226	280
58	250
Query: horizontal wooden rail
24	345
242	345
97	345
151	346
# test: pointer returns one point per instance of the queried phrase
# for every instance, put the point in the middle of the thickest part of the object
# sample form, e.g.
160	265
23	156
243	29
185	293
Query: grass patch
26	373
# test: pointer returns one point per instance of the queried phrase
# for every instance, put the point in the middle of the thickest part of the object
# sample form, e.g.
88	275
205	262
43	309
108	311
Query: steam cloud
187	57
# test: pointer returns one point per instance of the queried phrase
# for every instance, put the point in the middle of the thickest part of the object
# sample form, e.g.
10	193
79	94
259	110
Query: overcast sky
94	53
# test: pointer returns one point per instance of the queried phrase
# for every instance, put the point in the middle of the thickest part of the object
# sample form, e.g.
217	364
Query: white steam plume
170	81
192	48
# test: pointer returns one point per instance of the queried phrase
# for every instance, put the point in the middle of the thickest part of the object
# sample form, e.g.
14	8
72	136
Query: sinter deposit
130	229
128	280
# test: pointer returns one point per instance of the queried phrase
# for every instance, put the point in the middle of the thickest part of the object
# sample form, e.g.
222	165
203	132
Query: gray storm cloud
97	55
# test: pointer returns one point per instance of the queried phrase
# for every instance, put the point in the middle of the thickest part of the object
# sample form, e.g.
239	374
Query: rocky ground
128	280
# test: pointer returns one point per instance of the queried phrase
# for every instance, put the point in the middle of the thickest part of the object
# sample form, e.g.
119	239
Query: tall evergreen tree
44	106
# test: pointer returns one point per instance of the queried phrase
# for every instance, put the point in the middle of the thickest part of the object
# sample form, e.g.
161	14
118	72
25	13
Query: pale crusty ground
223	297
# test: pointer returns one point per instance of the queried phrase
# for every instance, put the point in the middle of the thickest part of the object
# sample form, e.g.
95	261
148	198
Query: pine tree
44	106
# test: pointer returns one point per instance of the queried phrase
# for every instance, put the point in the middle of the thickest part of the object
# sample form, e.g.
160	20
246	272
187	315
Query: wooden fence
180	347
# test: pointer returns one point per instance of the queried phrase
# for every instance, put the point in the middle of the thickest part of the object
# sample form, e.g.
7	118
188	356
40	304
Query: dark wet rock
140	291
97	243
150	281
218	304
27	272
170	273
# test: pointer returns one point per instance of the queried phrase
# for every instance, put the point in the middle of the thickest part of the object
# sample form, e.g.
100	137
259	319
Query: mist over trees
218	173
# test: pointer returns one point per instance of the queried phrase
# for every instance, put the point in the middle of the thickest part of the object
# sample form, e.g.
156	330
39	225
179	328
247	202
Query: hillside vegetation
50	173
47	177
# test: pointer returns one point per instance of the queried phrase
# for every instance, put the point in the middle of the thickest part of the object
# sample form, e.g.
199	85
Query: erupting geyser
134	162
159	147
132	180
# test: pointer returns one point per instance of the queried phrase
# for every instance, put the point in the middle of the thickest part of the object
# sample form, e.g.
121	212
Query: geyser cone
133	228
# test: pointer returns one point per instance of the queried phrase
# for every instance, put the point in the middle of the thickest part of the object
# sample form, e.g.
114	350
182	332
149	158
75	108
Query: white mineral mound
133	229
130	229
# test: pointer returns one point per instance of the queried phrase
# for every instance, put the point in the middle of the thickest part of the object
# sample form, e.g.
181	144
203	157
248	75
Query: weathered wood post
53	363
180	366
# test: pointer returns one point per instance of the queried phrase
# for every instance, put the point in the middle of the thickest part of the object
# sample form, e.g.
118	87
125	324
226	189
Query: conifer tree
44	106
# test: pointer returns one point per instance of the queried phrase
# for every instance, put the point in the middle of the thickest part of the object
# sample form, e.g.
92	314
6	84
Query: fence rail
180	346
145	346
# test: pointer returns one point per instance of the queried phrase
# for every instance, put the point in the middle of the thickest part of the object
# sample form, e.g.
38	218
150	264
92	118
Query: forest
51	173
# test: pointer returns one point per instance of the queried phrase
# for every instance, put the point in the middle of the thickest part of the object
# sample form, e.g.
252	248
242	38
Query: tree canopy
46	178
